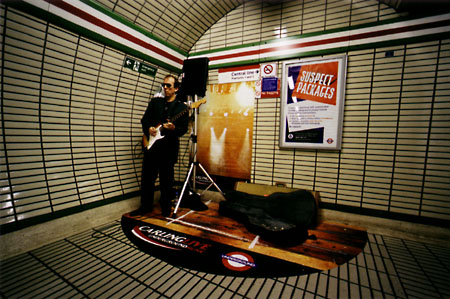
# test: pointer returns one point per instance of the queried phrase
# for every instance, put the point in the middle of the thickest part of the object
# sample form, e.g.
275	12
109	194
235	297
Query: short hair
176	83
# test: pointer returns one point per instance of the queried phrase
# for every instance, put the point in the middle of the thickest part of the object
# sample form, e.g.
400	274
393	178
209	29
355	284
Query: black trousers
156	162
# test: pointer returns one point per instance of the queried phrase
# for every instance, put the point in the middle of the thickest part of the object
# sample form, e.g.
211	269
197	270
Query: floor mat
208	242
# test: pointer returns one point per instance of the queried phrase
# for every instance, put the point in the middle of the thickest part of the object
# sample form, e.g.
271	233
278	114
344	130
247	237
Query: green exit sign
140	67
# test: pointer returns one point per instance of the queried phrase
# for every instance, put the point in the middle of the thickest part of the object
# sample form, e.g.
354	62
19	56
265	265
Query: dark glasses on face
168	85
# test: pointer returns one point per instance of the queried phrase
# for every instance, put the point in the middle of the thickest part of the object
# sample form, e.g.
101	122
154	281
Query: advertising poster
313	103
225	129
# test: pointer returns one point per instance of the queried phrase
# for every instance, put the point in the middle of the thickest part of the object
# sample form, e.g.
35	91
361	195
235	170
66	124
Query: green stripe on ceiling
127	23
42	14
306	35
59	21
339	50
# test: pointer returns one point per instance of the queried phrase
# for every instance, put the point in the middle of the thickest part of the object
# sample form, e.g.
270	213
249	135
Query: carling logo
169	240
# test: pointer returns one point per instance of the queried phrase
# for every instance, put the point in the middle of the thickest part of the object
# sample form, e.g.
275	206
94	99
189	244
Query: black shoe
166	212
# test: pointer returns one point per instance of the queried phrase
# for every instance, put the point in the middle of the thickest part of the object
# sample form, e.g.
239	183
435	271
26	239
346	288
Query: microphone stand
192	168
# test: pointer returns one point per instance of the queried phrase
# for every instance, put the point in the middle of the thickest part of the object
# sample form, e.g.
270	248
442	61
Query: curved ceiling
179	22
182	23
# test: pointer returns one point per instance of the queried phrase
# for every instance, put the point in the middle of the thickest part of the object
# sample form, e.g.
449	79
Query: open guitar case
281	218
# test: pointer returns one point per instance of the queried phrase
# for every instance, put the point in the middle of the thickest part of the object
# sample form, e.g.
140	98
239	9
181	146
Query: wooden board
331	245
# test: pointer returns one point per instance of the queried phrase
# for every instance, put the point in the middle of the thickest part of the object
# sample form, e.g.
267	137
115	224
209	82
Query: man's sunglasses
168	85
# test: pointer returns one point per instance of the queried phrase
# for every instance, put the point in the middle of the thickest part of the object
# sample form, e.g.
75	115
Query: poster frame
339	111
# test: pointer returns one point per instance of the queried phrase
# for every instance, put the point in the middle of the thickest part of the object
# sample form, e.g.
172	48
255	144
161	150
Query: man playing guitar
164	121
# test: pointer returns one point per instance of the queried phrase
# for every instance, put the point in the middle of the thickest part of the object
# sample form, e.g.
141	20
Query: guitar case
281	218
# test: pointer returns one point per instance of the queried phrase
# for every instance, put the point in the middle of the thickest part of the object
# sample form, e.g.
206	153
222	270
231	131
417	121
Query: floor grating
103	263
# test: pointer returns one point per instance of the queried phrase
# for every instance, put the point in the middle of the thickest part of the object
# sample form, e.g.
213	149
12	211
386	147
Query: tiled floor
102	263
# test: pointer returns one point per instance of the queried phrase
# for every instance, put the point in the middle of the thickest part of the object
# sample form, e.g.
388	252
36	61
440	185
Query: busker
158	124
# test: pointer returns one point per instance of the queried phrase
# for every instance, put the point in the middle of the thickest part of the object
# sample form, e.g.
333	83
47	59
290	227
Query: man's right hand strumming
152	131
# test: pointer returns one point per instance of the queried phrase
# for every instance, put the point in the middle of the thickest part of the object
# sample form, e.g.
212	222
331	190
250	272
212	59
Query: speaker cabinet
195	75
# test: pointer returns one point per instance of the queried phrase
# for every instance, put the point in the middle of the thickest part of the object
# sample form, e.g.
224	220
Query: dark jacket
154	116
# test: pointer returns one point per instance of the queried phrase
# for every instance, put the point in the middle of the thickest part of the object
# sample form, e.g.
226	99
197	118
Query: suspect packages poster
312	103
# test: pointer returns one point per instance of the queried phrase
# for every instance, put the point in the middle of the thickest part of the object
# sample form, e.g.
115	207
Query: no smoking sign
269	70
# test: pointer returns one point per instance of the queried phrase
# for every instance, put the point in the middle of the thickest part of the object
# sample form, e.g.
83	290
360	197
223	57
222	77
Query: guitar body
148	143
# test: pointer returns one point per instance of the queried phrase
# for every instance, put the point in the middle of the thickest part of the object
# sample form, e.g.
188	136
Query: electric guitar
148	143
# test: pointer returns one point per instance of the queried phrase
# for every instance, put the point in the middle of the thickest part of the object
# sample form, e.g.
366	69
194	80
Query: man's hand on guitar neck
169	126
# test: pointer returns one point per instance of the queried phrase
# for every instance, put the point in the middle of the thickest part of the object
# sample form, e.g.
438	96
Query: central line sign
239	74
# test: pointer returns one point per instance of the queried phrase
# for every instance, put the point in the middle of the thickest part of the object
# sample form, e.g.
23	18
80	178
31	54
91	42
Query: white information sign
239	74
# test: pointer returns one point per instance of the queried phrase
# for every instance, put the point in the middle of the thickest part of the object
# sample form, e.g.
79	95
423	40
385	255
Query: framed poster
312	103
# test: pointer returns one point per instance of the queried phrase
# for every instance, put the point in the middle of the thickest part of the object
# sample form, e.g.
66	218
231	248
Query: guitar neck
173	118
193	106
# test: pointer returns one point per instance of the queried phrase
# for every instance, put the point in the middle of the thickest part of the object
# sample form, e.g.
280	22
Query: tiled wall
70	117
70	121
395	151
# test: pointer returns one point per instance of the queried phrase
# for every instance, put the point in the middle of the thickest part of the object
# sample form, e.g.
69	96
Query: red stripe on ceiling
335	40
96	21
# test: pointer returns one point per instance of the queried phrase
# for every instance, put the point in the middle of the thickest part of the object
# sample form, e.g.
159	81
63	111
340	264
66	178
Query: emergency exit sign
140	67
